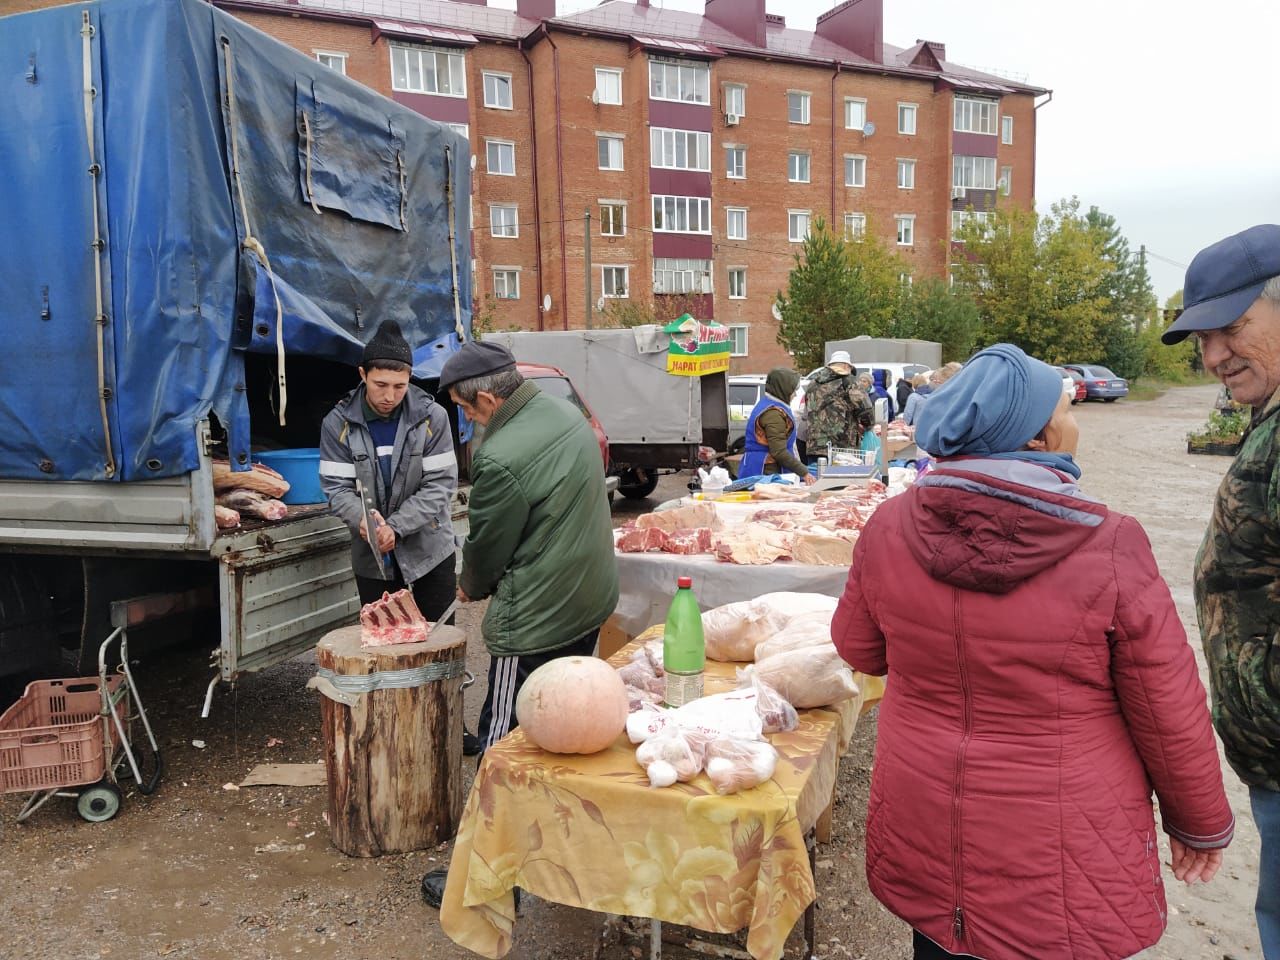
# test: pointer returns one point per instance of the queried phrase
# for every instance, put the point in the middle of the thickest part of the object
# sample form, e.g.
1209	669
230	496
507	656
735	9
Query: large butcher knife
371	525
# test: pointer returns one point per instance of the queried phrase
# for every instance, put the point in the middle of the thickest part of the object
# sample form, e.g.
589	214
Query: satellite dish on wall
868	128
777	313
473	163
600	304
546	303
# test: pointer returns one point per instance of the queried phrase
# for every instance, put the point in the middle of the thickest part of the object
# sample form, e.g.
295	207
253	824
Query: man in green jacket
541	539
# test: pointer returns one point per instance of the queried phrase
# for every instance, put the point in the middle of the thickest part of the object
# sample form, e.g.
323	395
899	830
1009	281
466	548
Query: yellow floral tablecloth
588	831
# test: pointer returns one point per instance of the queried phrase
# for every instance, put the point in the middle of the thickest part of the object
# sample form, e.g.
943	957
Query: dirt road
198	871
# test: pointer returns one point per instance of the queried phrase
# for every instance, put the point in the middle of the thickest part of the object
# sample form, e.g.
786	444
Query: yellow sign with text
692	365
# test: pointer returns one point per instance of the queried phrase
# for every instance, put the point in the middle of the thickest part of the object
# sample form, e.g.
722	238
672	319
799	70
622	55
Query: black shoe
472	746
433	887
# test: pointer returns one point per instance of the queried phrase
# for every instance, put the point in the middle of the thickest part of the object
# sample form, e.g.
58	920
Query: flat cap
477	358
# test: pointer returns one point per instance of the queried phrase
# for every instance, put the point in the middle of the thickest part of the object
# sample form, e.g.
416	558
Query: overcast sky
1165	113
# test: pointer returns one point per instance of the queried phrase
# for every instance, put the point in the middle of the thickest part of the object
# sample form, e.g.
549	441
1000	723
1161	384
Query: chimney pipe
536	9
856	25
742	18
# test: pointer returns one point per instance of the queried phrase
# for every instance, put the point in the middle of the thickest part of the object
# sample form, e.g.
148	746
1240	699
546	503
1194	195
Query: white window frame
1005	181
462	128
611	269
488	75
855	226
509	274
907	220
1006	128
851	169
745	330
959	217
908	166
611	138
849	104
666	144
733	148
973	173
905	279
686	75
685	206
324	56
504	230
799	166
742	292
792	222
601	99
975	115
406	50
729	213
805	99
489	145
682	275
738	91
908	110
622	205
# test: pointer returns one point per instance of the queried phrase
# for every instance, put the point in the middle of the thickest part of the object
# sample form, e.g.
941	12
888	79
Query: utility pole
587	263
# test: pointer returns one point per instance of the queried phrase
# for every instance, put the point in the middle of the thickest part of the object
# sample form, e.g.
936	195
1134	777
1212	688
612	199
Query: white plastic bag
804	631
732	632
722	715
813	676
734	765
672	751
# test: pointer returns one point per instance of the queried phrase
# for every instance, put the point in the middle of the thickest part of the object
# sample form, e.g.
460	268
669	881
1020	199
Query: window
855	171
613	282
609	148
686	82
855	113
608	86
906	229
334	61
1006	129
504	220
497	91
506	283
797	107
960	217
855	226
500	157
613	218
735	163
797	225
906	174
672	275
461	128
681	214
798	166
907	118
424	70
738	342
973	173
735	223
735	99
974	116
738	287
904	279
1006	180
679	149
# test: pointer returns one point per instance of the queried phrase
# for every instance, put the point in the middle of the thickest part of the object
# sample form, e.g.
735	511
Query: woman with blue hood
770	442
1040	685
880	389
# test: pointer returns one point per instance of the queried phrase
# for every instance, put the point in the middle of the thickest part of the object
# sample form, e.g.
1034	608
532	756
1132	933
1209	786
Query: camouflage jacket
1237	586
837	410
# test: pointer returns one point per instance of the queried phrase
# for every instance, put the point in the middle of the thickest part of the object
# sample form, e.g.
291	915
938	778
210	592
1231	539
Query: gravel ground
199	871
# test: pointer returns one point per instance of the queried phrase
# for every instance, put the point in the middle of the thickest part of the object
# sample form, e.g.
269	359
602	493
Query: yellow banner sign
693	365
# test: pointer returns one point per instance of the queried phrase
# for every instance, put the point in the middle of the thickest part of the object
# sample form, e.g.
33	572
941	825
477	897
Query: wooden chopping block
393	755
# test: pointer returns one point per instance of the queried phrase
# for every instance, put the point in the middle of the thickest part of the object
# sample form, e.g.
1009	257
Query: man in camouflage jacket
1233	307
837	409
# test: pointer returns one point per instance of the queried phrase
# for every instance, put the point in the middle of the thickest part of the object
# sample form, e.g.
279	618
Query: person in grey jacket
395	439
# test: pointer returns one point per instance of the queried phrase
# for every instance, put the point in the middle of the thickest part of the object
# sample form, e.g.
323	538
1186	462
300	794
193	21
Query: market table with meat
589	831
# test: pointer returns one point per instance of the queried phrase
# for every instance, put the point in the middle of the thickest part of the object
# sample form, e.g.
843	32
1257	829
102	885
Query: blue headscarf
998	402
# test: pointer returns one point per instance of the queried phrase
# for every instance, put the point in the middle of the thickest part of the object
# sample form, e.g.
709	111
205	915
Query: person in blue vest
771	430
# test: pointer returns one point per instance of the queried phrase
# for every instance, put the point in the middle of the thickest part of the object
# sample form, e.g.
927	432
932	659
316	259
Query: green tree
930	311
657	308
837	289
1132	303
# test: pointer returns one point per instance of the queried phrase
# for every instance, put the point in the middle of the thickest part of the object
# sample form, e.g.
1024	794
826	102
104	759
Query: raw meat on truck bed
253	504
393	619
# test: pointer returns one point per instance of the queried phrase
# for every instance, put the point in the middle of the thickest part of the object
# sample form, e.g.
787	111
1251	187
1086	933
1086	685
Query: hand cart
71	738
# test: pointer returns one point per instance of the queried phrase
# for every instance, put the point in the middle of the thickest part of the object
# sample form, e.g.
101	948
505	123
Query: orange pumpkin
572	705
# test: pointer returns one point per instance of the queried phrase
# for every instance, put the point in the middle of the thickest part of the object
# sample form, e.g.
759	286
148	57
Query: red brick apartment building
702	145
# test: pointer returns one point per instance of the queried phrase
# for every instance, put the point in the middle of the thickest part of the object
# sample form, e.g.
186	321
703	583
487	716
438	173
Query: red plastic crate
53	736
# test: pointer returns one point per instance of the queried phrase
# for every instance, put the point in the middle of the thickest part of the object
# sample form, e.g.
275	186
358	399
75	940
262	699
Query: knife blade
371	525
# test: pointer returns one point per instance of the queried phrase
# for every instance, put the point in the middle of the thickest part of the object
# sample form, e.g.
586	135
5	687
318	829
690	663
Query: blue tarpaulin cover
339	219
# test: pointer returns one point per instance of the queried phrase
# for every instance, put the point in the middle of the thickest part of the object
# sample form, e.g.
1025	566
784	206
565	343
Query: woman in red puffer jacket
1039	686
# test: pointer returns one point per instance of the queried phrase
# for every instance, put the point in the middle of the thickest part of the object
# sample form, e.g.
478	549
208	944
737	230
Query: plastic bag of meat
672	755
729	714
809	630
638	698
680	518
646	721
732	632
393	619
808	677
777	715
253	504
225	517
260	478
639	672
734	765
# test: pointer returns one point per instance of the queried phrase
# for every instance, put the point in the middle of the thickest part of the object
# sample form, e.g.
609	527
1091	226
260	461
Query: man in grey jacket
395	439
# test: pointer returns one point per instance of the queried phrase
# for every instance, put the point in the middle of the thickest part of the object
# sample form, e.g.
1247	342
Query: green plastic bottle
684	654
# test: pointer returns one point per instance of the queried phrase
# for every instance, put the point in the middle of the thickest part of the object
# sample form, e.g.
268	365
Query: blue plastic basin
301	467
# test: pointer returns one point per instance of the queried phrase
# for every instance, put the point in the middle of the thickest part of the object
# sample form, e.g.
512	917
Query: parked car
1081	392
1068	383
1100	383
745	391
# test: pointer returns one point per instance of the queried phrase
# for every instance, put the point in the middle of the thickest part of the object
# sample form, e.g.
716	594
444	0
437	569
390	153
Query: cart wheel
99	802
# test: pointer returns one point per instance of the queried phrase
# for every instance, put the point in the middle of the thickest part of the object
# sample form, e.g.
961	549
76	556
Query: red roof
467	17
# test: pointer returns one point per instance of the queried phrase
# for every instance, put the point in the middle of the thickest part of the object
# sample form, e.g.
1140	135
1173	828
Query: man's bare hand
386	537
809	479
1190	864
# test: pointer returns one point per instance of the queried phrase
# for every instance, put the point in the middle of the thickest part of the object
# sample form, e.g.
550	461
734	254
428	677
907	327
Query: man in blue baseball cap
1232	297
